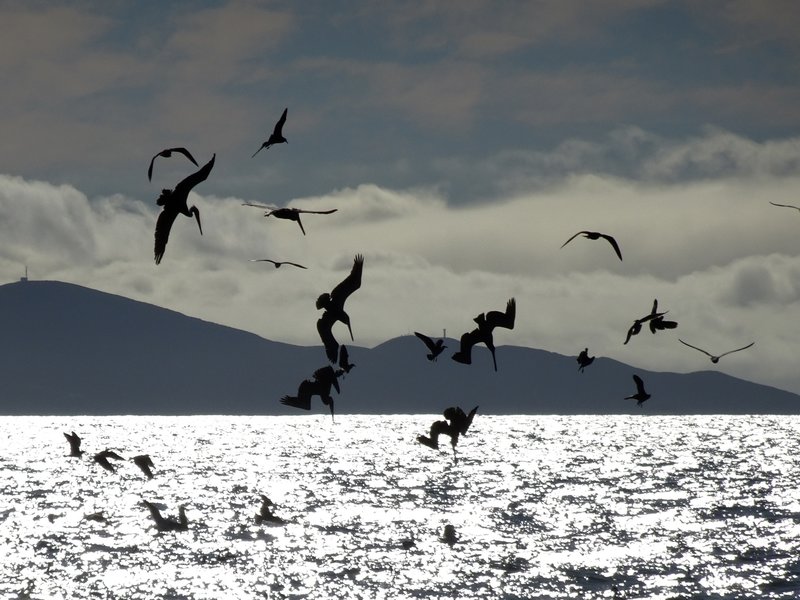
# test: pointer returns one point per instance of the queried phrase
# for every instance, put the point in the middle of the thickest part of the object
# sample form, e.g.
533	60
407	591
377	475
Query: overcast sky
461	142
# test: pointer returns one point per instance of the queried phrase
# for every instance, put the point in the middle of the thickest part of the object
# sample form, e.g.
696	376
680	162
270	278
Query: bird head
196	212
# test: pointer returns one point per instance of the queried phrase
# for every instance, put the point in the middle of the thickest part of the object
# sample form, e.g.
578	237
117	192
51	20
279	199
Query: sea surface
543	507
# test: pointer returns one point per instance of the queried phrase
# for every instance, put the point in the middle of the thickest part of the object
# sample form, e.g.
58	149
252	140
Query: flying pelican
333	305
175	203
277	263
276	137
595	235
636	328
785	205
166	524
484	333
320	385
74	444
435	348
101	458
660	324
265	515
291	214
584	360
144	462
166	154
344	361
459	423
715	358
641	395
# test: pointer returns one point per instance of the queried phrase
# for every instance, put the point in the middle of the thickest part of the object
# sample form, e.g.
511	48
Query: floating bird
101	458
144	462
715	358
166	154
290	214
449	535
786	205
456	423
167	524
344	361
174	202
276	137
435	348
74	444
333	304
265	515
320	385
97	517
584	360
484	333
641	395
595	235
277	263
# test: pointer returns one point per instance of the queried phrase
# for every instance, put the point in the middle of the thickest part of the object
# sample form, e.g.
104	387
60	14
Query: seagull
641	395
584	360
435	348
175	203
291	214
484	333
144	462
276	137
265	515
333	304
715	359
595	235
320	385
166	154
101	458
459	423
344	361
277	263
785	205
74	444
166	524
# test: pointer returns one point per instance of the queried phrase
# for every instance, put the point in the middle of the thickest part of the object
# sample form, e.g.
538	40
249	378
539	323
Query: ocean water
543	507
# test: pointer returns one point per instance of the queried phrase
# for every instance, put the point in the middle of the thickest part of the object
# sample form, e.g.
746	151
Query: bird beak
350	329
197	216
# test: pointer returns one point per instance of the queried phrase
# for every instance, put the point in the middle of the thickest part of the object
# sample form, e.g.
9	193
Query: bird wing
296	402
186	153
262	206
737	349
150	168
163	227
186	185
639	384
428	341
495	318
350	283
286	262
613	243
325	327
785	205
344	357
111	454
277	131
572	238
317	212
700	349
263	260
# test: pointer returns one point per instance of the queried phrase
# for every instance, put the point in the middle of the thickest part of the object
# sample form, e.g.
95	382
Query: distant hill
67	349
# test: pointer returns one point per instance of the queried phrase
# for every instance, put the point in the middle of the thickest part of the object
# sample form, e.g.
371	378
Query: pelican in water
320	385
167	524
333	305
290	214
641	395
74	444
144	462
434	348
265	515
276	137
166	154
456	424
101	458
174	202
484	333
277	263
715	357
584	360
596	235
449	535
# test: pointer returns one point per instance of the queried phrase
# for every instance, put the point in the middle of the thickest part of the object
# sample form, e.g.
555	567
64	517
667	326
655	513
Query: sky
462	143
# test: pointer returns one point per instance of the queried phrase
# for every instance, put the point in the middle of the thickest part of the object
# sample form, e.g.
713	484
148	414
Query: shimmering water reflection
544	507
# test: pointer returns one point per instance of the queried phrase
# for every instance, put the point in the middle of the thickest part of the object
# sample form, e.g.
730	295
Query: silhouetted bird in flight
174	202
786	205
434	348
276	137
277	263
167	524
659	323
636	328
333	305
595	235
144	462
166	154
641	395
265	515
344	361
74	444
101	458
584	360
484	333
456	423
290	214
715	358
320	385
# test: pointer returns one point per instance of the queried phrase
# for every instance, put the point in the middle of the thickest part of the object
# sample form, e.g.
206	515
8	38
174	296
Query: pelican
484	333
715	358
660	324
276	137
456	423
584	360
166	524
320	385
641	395
636	328
265	515
175	203
97	517
333	305
434	348
101	458
144	462
345	365
290	214
74	444
595	235
277	263
449	535
786	205
166	154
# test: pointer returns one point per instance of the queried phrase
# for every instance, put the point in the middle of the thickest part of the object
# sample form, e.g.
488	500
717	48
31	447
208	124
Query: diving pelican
333	305
434	348
484	333
320	385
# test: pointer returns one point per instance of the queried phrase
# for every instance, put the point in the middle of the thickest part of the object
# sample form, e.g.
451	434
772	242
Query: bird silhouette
277	263
345	365
456	423
166	154
101	458
659	323
449	535
715	358
484	333
97	517
265	514
174	202
276	137
434	348
320	385
641	395
167	524
74	444
290	214
595	235
144	462
636	328
333	305
584	360
786	205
